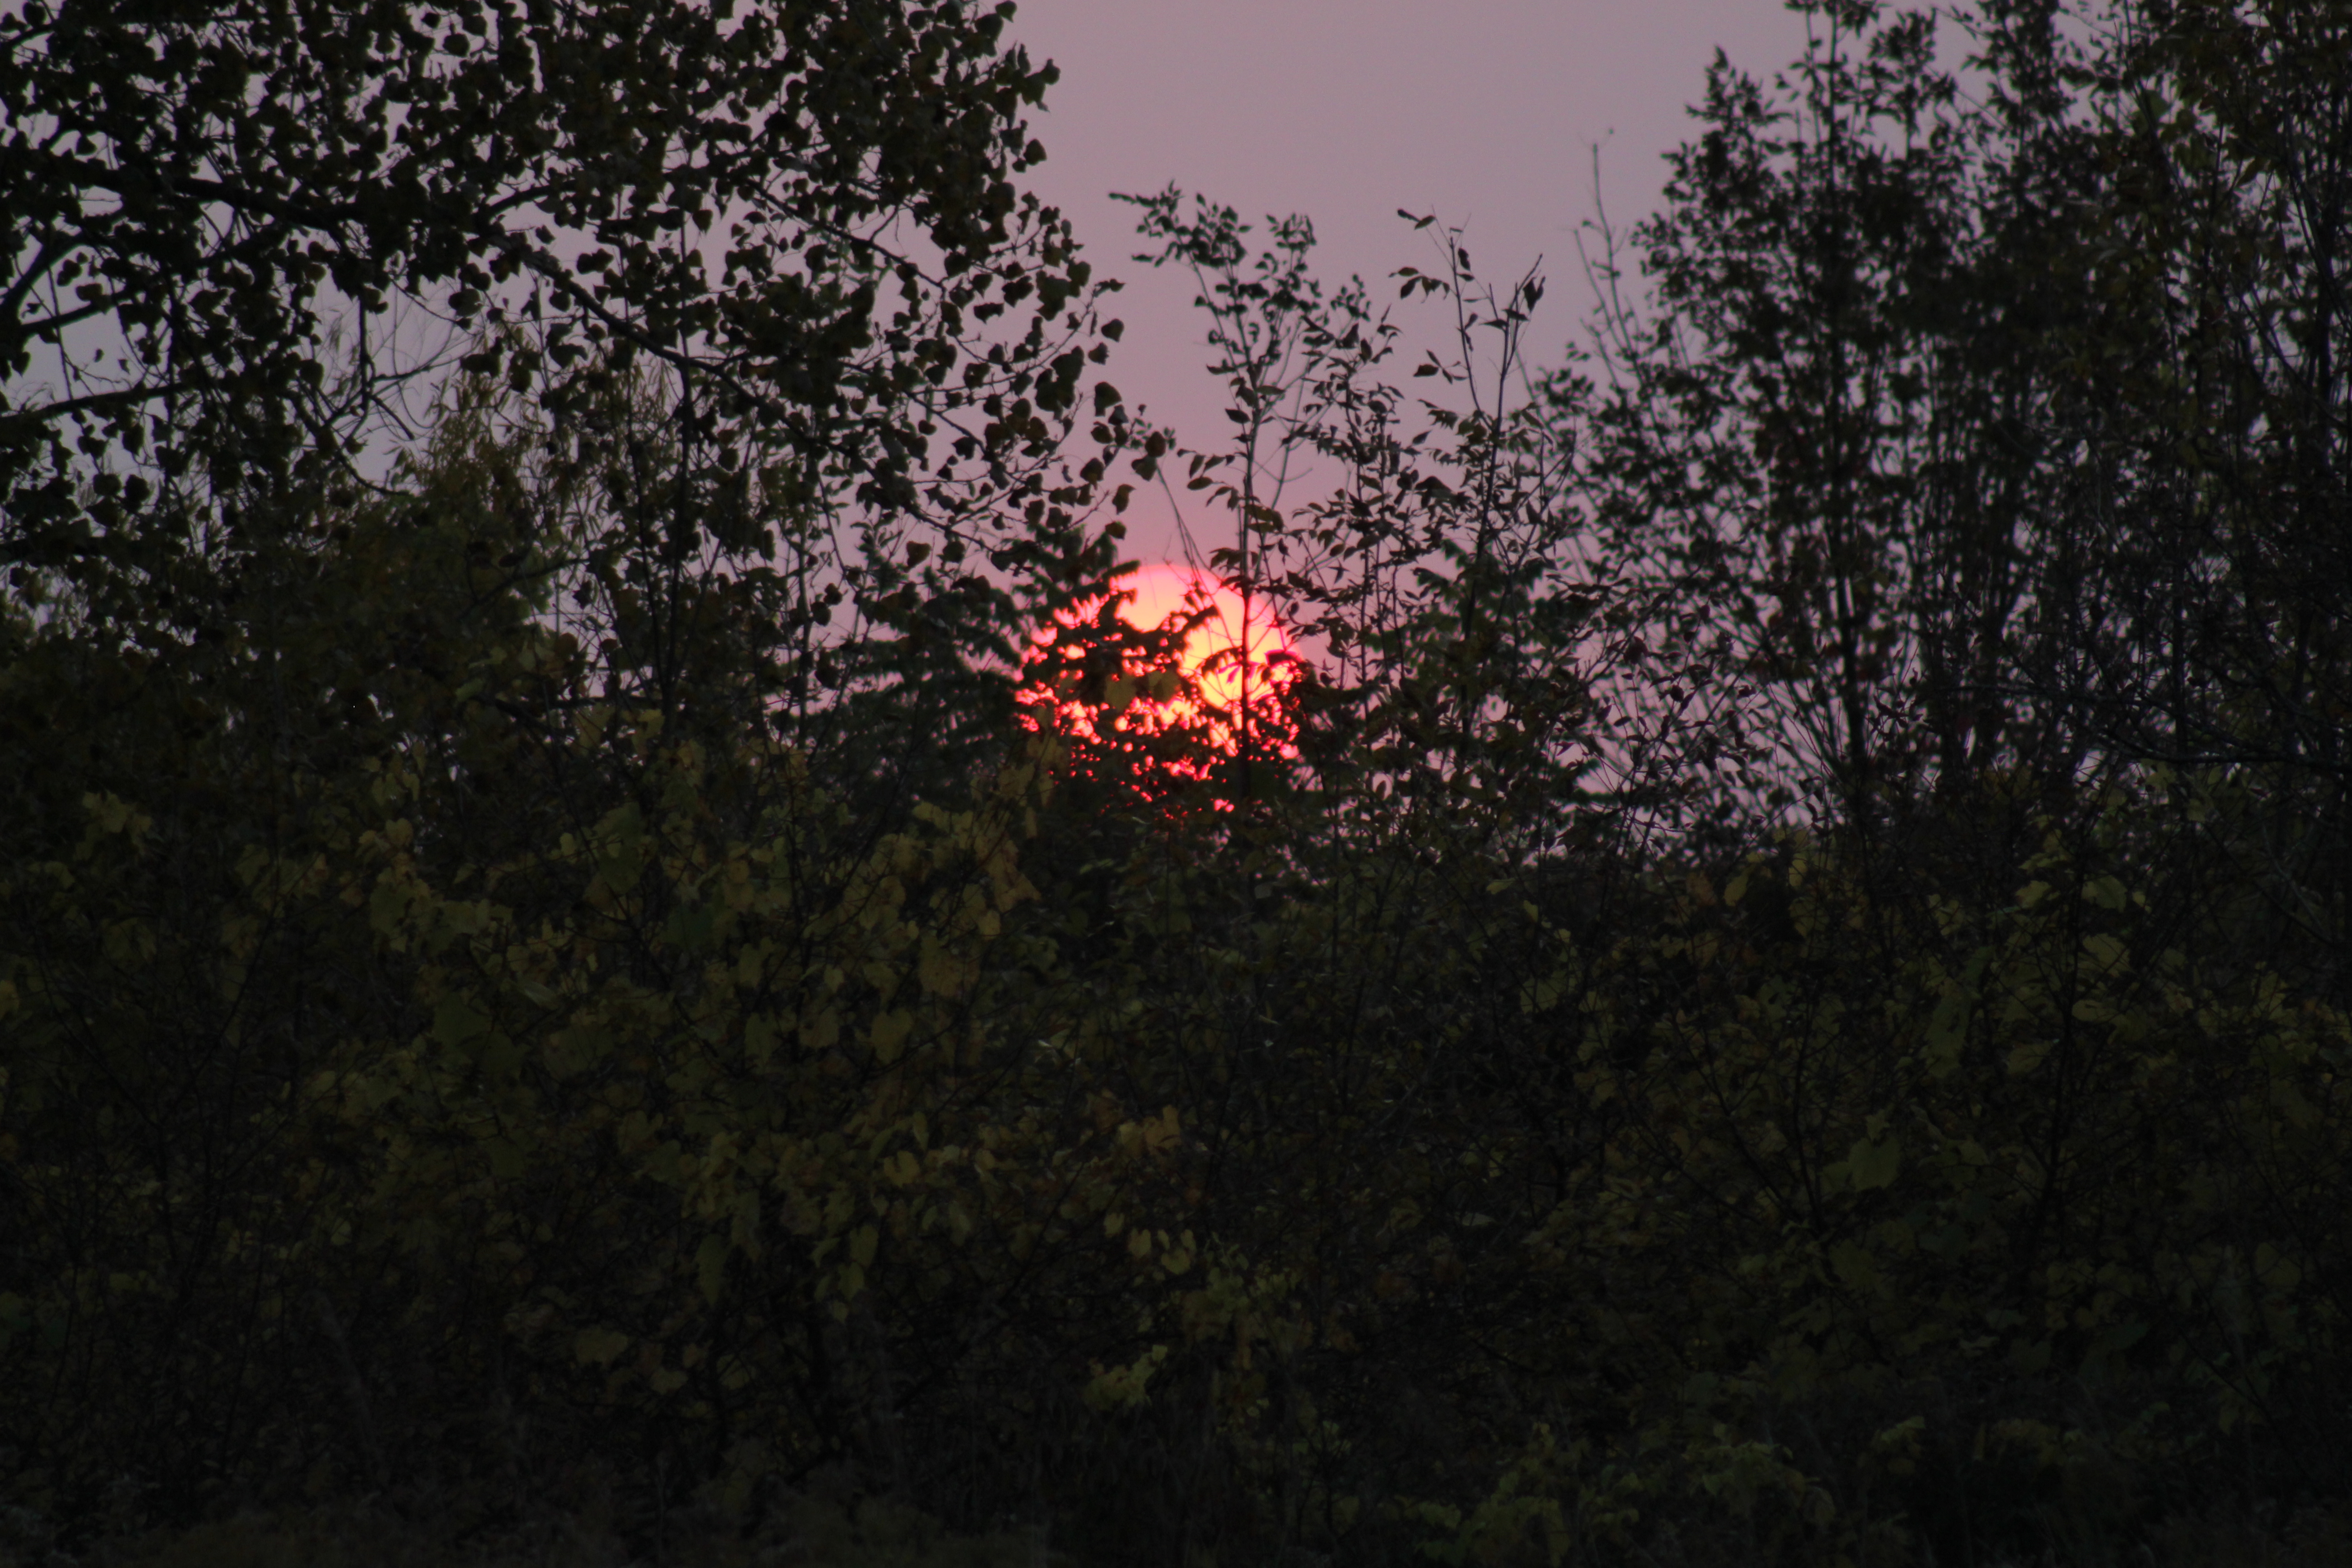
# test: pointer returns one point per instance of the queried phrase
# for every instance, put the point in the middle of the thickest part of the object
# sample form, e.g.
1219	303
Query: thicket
1771	990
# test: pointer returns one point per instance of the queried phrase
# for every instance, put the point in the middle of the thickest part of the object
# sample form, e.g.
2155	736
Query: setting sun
1234	663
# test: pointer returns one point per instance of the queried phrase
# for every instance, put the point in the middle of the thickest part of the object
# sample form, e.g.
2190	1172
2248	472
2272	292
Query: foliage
1804	1208
518	1026
456	1041
823	1534
755	287
1435	568
218	183
1965	378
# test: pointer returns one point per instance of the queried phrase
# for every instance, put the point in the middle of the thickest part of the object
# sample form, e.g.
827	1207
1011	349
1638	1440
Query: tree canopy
1774	991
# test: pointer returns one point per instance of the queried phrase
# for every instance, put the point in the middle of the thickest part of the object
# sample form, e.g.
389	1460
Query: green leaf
1874	1163
1947	1033
457	1022
711	1267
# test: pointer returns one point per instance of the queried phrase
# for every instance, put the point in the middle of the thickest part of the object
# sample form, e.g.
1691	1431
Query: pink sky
1482	111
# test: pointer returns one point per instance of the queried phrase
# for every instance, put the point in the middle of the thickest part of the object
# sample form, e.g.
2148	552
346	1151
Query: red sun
1236	670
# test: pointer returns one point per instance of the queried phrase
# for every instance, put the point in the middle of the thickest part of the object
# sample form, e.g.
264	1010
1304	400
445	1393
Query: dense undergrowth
1247	1195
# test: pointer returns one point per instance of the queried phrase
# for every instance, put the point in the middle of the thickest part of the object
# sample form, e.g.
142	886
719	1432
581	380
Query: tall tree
1768	440
718	320
1434	569
1994	411
2218	576
235	238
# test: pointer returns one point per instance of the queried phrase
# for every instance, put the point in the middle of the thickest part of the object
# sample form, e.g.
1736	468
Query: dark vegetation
1776	994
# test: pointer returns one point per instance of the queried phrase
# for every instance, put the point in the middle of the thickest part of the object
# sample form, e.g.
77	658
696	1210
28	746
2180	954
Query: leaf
1124	1387
1855	1264
711	1267
2277	1272
1874	1163
599	1346
622	838
1948	1033
888	1034
457	1022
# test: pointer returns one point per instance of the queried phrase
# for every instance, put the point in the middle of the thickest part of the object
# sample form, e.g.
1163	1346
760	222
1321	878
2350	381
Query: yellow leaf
2106	951
888	1035
2107	892
942	973
110	813
1123	1387
599	1347
1163	1132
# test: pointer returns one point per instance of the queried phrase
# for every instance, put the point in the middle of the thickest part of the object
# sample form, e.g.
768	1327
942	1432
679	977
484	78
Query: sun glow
1237	661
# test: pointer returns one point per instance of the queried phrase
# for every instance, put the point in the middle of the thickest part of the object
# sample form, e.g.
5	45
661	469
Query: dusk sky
1484	112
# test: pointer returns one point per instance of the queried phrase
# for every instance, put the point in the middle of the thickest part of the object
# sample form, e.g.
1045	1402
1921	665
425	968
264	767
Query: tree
1957	403
1437	569
1783	439
747	321
551	967
2212	617
238	235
